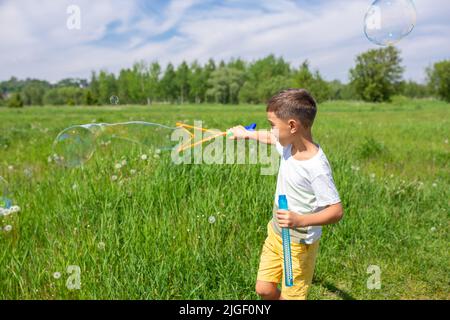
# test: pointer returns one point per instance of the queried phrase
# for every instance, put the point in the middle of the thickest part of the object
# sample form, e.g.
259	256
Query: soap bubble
74	146
5	201
114	100
212	219
388	21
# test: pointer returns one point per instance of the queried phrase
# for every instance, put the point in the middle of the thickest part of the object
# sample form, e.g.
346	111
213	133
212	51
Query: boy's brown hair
294	103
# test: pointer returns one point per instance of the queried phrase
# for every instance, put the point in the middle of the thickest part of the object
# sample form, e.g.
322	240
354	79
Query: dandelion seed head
14	209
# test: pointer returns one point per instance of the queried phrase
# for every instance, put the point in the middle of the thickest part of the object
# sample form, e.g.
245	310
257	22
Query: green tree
197	83
264	78
154	90
413	89
182	77
208	69
11	85
377	74
238	64
169	88
72	82
107	87
65	96
313	82
341	91
94	87
439	79
15	101
33	91
225	84
138	83
89	99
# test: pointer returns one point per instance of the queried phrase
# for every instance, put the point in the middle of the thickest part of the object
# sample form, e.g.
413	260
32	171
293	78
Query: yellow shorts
303	262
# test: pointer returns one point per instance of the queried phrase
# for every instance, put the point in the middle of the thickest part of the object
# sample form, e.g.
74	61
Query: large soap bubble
75	145
388	21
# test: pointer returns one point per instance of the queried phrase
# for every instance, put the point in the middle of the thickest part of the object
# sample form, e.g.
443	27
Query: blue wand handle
250	127
288	276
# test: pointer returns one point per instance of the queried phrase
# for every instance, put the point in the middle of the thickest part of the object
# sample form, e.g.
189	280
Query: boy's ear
294	124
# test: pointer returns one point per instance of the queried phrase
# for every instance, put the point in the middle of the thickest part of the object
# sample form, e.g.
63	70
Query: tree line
376	76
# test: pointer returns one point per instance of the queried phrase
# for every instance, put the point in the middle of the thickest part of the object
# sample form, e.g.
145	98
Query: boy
306	179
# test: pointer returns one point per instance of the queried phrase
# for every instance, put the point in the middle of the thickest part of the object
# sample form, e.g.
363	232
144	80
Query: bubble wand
214	135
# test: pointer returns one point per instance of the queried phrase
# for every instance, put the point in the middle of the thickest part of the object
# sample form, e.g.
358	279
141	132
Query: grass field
147	236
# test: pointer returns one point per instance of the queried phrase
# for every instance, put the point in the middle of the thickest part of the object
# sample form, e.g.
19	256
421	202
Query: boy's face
284	130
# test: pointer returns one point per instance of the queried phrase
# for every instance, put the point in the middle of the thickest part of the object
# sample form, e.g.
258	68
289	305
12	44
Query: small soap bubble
114	100
74	146
212	219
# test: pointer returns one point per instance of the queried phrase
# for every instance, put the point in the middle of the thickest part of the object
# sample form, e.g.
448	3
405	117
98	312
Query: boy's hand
239	132
289	219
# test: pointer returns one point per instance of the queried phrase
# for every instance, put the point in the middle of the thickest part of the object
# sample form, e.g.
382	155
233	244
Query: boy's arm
329	215
263	136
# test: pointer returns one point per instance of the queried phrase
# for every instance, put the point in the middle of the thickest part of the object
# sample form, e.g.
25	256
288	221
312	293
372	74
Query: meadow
143	231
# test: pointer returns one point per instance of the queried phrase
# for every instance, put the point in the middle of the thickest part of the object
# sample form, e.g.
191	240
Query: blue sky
35	41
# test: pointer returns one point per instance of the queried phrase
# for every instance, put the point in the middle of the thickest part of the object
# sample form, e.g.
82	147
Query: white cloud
36	42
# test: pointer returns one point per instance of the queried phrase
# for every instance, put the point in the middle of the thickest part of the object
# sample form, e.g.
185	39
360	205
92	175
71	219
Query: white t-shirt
308	185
